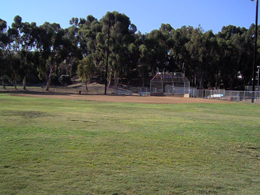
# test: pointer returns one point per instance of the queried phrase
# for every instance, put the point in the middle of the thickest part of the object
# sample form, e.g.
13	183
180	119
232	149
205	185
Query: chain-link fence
144	91
123	90
92	89
169	83
228	95
98	89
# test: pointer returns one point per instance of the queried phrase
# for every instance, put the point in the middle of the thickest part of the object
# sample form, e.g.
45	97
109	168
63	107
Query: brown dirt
116	98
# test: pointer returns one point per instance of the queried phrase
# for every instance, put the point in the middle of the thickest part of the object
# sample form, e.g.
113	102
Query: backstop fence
169	83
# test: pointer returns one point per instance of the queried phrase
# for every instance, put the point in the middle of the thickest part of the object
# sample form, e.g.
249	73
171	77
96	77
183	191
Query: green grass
52	146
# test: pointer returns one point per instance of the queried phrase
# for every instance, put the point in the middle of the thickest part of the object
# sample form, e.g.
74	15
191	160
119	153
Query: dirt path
129	99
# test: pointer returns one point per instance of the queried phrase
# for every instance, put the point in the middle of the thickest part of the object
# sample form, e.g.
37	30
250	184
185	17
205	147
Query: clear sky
145	14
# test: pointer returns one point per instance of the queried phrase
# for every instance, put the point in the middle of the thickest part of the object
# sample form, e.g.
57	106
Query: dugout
170	83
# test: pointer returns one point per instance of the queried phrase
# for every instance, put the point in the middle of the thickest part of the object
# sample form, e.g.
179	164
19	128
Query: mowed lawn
57	146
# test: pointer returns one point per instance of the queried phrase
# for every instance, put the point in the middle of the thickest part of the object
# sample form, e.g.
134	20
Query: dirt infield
127	99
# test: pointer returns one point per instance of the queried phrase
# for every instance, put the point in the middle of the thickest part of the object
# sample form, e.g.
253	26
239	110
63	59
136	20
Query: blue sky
145	14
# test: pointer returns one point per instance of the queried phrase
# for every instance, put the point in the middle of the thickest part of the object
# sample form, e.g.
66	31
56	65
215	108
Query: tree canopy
222	60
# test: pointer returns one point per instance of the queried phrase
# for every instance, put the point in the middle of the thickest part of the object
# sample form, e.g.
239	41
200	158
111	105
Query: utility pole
108	35
255	55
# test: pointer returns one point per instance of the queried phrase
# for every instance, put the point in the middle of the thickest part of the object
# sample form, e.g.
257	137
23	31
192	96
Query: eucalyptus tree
122	34
70	51
86	69
167	30
144	66
11	60
12	50
27	47
20	45
211	58
16	33
156	50
129	57
235	54
139	56
3	50
77	25
246	50
13	71
179	57
202	48
133	62
90	30
120	40
74	46
49	44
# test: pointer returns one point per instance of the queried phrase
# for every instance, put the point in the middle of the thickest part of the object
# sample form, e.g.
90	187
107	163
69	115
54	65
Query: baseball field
96	144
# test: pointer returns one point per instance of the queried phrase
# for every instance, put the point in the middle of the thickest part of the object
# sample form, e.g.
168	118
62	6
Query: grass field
54	146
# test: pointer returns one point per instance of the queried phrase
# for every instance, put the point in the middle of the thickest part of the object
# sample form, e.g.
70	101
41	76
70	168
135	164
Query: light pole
254	64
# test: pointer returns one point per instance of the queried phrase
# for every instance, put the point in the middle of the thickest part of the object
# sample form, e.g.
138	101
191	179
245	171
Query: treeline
209	60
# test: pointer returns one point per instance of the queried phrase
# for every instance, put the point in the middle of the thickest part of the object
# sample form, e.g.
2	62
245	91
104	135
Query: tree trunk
86	82
109	80
100	75
15	85
3	82
24	83
108	83
115	80
48	83
49	80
